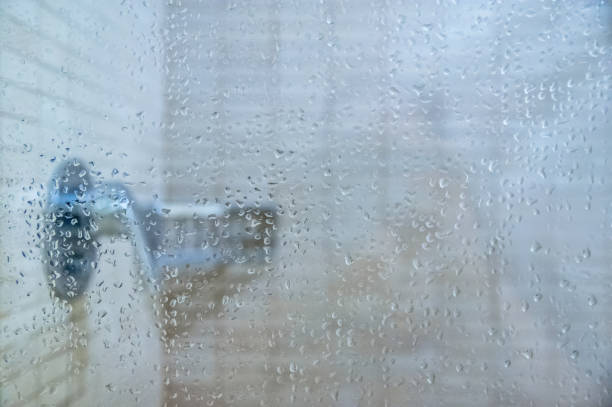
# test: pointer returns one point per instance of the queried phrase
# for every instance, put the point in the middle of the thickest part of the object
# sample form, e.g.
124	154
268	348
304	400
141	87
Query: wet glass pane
337	203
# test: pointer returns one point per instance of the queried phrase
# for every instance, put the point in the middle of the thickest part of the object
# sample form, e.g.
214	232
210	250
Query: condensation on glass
337	203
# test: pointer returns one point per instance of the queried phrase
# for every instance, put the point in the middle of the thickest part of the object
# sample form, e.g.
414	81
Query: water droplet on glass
348	260
586	253
527	354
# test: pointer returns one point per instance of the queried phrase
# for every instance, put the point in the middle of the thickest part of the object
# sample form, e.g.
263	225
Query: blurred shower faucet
80	210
